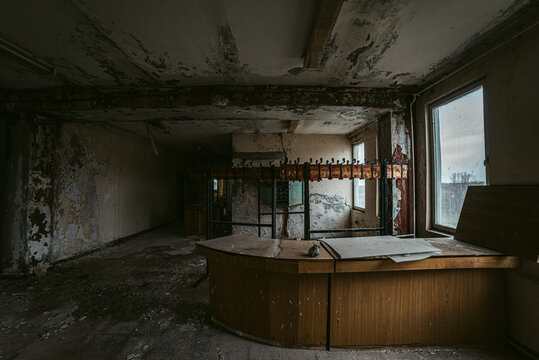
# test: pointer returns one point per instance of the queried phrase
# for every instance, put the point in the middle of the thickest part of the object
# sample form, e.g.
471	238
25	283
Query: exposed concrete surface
148	309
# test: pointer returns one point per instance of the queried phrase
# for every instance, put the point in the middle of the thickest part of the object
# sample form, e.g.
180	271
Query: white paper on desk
412	257
372	246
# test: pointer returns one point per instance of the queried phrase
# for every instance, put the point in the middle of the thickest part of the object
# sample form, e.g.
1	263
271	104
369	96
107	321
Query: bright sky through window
459	154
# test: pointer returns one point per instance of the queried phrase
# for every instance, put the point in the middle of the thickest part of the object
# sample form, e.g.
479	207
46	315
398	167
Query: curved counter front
271	291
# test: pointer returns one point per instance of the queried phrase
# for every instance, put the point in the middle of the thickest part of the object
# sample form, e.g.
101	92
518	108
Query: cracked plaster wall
330	201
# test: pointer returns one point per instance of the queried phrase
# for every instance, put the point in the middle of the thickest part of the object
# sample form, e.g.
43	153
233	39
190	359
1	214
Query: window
458	140
359	184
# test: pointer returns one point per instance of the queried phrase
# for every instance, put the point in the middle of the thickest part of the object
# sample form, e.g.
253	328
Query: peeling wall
509	76
109	185
330	201
375	44
401	191
40	201
14	196
74	187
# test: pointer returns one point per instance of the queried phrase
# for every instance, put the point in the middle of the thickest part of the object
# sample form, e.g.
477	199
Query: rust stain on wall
401	219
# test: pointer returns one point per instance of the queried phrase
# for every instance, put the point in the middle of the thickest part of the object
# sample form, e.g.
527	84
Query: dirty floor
136	300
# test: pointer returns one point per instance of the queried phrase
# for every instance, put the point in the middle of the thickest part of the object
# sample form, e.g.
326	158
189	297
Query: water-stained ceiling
104	44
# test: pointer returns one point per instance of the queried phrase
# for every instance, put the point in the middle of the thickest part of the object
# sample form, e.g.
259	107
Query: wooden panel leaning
502	217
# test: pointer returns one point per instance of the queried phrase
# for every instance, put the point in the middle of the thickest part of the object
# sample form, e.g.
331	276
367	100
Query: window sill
440	233
362	210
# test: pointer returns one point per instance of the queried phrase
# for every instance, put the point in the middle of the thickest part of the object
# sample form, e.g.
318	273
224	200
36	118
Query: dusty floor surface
136	300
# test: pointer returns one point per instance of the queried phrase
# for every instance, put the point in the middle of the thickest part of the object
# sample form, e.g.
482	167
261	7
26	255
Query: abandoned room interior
269	179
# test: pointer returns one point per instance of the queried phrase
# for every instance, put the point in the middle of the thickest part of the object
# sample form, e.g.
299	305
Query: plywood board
244	245
372	246
503	218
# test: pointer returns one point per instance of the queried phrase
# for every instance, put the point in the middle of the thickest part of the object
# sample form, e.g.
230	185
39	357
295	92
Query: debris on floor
146	298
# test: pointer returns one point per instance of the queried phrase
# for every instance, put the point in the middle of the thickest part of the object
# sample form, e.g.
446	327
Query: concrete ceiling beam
326	16
220	96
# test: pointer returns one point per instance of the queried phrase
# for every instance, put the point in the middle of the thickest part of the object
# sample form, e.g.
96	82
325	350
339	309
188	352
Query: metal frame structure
303	171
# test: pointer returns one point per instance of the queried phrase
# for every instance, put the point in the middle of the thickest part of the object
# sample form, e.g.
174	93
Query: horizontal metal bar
346	230
284	212
238	223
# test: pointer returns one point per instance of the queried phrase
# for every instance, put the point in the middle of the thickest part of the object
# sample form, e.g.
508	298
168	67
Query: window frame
354	207
443	100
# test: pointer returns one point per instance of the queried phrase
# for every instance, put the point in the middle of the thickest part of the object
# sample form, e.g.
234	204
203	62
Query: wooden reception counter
271	291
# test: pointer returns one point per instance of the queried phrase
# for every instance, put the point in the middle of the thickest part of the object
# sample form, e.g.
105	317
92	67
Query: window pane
459	153
359	184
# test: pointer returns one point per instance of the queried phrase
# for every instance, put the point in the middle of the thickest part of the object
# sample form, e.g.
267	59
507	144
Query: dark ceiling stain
396	76
296	71
361	22
331	49
91	42
388	42
156	123
354	55
78	152
482	41
158	64
225	59
227	44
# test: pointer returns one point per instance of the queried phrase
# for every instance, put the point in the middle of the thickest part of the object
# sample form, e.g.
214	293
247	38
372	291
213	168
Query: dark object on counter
314	251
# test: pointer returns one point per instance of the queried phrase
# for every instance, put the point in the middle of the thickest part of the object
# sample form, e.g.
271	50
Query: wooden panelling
435	263
417	307
287	309
456	297
195	220
504	218
313	296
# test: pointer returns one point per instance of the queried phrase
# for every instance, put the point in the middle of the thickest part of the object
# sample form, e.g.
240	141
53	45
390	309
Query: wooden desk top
291	256
452	247
249	245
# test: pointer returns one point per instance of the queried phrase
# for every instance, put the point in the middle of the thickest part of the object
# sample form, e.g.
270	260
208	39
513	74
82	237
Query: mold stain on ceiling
103	44
186	43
